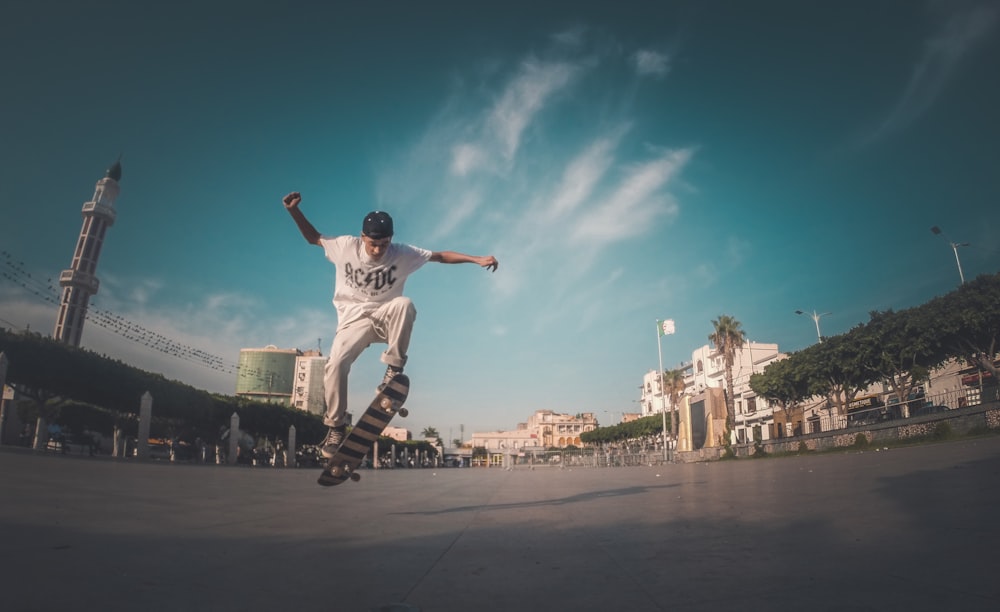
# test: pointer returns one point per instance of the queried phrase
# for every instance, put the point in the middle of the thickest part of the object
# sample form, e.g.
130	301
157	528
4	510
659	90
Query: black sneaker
390	372
334	438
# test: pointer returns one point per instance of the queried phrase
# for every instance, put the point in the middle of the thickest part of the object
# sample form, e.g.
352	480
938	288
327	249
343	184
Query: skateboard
345	462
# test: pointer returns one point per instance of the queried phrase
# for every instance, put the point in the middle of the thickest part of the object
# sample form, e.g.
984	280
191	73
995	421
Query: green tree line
900	348
64	381
632	430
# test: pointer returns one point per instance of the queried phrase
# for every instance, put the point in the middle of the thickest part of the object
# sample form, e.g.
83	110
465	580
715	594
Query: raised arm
291	202
451	257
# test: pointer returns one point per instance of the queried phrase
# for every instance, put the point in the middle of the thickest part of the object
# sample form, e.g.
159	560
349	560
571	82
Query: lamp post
815	318
954	247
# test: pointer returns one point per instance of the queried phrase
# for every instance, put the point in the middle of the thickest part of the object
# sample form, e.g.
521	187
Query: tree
780	383
900	348
969	322
834	368
49	371
728	338
673	387
430	432
646	427
785	382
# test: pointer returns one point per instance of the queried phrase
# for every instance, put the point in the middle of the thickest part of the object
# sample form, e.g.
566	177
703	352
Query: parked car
925	410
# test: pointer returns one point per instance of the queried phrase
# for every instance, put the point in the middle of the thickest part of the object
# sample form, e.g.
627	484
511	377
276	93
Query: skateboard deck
345	462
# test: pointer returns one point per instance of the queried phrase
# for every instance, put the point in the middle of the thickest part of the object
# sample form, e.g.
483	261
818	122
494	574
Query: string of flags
13	271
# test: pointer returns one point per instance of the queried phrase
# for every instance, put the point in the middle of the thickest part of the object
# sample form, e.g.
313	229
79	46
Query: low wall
961	421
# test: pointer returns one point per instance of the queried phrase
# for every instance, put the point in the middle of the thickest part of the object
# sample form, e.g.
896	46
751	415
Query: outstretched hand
489	262
292	200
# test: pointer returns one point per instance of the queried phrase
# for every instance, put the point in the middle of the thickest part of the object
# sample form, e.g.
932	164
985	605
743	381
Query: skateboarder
368	297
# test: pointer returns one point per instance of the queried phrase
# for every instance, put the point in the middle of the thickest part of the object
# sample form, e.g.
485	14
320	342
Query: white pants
391	323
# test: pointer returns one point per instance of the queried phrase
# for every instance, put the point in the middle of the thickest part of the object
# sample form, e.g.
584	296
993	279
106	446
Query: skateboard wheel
386	403
403	412
355	476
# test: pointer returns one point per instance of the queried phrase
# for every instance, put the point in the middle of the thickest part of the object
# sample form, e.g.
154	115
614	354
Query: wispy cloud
634	204
738	250
538	174
143	291
583	174
651	63
466	158
960	29
523	98
461	209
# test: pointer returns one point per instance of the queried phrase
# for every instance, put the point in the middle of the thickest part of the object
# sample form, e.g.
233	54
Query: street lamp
815	318
954	247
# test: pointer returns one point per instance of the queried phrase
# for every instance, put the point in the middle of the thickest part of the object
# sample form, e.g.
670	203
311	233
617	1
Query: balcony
79	280
93	208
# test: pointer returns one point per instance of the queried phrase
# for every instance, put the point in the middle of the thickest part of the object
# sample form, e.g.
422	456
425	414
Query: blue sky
625	162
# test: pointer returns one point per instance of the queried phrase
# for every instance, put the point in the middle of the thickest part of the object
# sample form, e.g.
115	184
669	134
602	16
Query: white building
754	415
506	441
398	434
652	400
307	387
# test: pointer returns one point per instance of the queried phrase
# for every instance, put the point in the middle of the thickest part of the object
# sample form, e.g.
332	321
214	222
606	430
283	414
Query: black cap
377	225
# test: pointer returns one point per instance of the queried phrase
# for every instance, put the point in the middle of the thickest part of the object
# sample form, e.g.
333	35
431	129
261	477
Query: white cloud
573	37
466	158
549	205
583	174
462	208
959	33
216	327
738	249
632	207
144	291
706	274
20	311
651	63
522	99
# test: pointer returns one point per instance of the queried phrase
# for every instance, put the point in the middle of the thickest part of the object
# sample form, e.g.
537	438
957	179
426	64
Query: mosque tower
80	282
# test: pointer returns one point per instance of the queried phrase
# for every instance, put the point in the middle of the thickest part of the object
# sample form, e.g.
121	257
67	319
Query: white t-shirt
363	284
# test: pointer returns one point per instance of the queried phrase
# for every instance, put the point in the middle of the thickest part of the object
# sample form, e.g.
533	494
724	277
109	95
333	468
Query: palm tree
673	386
430	432
728	338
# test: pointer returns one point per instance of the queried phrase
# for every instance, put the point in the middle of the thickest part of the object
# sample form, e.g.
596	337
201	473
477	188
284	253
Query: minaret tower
80	282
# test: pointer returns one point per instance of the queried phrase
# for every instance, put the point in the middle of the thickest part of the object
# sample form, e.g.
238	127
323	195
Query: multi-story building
544	429
652	400
554	429
267	374
398	434
707	370
507	441
307	388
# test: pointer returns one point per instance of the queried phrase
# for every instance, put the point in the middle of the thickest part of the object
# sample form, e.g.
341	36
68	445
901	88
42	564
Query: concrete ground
904	529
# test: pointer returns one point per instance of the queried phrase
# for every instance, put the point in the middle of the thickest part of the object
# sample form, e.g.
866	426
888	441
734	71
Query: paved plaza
903	529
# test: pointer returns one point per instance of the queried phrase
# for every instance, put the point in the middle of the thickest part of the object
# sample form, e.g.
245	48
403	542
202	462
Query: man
368	297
